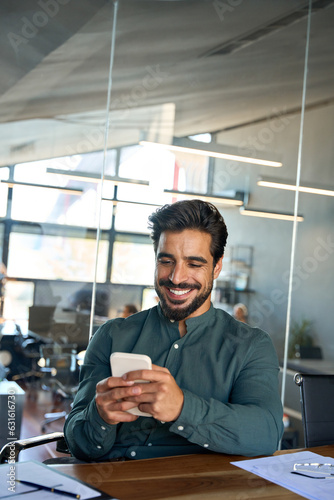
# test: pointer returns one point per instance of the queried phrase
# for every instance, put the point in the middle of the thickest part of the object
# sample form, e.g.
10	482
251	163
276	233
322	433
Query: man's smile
178	292
177	295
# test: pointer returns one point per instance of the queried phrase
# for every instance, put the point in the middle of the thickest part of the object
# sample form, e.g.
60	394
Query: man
214	382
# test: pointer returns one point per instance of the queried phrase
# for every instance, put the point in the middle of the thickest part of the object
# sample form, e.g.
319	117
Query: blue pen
48	488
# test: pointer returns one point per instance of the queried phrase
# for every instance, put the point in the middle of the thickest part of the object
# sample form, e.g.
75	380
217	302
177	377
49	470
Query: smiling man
184	274
213	386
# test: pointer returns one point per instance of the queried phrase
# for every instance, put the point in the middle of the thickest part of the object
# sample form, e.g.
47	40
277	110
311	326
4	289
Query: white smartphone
123	362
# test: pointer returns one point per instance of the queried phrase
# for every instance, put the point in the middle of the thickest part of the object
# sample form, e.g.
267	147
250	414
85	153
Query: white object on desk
278	469
45	476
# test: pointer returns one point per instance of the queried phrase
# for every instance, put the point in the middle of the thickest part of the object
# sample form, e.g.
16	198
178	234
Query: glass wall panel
53	112
312	316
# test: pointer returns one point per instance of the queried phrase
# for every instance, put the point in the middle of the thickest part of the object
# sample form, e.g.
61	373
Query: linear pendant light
237	200
290	186
130	202
91	177
255	212
215	150
65	190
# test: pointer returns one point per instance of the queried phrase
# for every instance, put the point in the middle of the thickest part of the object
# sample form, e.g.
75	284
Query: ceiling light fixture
255	212
91	177
291	186
236	200
65	190
215	150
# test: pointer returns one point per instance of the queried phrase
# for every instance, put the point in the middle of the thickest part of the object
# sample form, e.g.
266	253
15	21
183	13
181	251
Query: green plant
299	335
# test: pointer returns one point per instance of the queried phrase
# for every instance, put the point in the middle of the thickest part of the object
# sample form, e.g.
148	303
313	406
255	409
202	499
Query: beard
179	314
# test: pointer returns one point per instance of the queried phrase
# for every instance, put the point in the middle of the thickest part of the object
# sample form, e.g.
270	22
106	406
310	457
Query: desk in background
208	476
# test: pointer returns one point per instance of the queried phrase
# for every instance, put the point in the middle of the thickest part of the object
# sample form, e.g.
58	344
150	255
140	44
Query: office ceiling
183	67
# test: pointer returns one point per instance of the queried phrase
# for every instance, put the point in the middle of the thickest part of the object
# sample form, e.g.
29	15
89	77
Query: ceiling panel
57	79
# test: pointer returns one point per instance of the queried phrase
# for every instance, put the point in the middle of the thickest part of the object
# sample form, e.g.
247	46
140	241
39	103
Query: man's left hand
162	397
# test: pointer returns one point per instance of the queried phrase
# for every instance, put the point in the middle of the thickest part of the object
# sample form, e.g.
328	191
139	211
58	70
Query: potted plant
299	336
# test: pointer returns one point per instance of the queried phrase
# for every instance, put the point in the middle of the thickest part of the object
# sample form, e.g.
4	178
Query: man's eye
191	264
165	262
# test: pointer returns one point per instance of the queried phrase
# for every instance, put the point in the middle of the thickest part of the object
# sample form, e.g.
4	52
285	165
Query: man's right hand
109	396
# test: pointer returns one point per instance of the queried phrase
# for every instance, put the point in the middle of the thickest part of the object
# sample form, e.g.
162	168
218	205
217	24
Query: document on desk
278	470
45	483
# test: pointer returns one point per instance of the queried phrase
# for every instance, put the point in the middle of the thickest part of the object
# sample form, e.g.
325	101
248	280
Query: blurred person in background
128	310
240	312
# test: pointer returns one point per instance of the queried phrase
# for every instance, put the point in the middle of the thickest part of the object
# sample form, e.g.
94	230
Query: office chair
61	376
11	451
317	402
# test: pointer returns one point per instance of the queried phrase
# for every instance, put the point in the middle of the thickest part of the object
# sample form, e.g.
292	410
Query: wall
313	288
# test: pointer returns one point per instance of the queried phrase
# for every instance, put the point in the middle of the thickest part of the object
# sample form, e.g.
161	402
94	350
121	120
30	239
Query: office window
59	171
141	194
53	257
19	296
148	164
80	209
133	218
2	231
133	262
59	208
191	172
4	174
164	169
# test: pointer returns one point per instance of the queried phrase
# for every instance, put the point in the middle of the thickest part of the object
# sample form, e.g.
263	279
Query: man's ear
218	268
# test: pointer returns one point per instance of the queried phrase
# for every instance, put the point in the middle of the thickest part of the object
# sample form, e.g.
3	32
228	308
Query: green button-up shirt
227	371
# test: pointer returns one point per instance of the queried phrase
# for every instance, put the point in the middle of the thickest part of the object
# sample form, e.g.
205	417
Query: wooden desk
183	477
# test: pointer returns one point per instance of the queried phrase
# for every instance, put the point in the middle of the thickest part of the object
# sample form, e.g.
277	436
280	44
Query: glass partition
311	342
234	70
53	102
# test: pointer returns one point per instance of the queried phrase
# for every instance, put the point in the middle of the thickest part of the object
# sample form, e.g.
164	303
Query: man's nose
179	273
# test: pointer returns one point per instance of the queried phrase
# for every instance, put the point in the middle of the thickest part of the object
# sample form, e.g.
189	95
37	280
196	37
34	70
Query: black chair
317	402
61	376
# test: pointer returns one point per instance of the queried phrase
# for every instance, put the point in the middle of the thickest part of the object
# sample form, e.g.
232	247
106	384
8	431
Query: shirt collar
191	322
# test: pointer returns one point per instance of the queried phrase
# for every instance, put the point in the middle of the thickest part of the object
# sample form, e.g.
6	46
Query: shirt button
149	444
180	428
99	447
172	320
206	445
133	453
103	428
176	346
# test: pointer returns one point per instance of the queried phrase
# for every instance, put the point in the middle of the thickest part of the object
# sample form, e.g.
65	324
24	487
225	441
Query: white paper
43	475
278	469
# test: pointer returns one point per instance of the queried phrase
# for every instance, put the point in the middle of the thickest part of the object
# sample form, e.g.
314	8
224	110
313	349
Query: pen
48	488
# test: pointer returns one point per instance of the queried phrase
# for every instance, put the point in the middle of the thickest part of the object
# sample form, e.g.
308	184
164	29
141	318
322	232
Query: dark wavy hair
190	214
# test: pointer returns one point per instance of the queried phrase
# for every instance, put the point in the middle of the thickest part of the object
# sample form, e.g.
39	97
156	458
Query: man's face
184	273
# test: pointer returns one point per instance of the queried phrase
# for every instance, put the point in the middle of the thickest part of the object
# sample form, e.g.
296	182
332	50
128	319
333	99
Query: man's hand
110	400
162	398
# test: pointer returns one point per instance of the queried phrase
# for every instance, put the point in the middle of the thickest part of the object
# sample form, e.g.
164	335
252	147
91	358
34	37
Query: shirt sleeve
250	422
88	436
